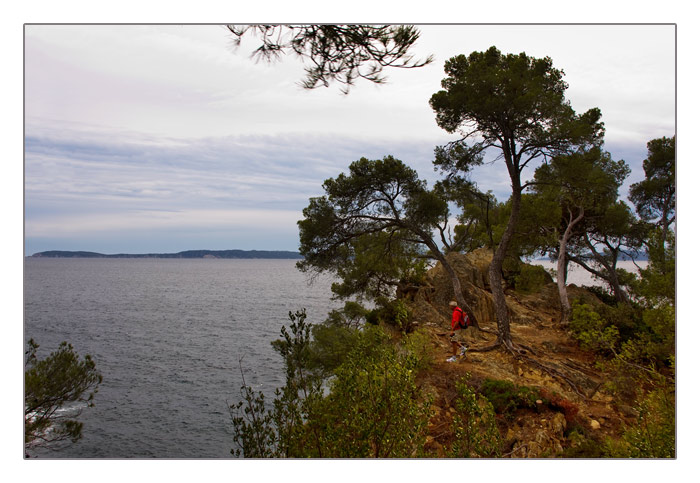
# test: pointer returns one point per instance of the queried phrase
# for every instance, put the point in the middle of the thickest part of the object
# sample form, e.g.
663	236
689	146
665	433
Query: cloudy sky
161	138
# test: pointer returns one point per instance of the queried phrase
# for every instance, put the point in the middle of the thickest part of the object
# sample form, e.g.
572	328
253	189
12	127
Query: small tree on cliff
582	185
49	385
514	104
655	196
380	211
606	238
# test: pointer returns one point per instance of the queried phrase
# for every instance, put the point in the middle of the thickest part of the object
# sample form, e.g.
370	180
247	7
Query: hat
453	304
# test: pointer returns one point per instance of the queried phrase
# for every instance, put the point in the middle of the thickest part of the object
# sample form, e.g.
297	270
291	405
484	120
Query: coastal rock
558	424
540	437
429	301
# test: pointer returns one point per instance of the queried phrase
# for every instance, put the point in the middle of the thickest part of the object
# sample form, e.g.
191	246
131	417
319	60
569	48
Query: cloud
89	224
89	183
82	182
247	169
127	120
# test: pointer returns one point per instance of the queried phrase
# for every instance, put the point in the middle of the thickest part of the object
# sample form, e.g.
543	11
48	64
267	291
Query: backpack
463	320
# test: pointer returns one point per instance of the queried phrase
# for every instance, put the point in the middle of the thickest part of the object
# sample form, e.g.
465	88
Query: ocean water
580	276
170	338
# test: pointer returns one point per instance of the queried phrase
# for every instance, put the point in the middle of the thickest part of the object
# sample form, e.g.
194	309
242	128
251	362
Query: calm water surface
580	276
167	336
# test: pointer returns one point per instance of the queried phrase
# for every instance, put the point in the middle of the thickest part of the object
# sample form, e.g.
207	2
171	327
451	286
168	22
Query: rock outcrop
534	322
429	303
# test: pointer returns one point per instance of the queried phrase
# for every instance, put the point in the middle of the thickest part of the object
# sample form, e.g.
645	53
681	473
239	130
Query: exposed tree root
484	329
519	351
556	374
578	367
497	345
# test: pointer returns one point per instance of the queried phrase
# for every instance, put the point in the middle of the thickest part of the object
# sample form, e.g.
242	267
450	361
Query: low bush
394	313
474	425
561	404
654	433
583	446
370	405
603	294
591	330
417	346
531	278
506	397
373	409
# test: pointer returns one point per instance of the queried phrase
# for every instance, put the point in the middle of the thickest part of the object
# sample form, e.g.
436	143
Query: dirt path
531	433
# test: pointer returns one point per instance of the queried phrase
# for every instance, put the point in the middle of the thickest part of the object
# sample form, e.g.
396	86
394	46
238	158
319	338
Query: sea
579	276
174	339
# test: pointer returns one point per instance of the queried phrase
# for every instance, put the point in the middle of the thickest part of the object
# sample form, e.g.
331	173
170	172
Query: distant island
185	254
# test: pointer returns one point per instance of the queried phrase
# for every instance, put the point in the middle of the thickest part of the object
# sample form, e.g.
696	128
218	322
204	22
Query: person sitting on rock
460	321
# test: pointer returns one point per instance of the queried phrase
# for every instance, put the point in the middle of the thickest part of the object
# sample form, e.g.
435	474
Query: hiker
460	321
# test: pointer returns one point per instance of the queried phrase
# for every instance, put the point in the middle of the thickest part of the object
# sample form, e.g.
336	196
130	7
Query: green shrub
330	346
261	432
506	397
394	313
352	315
637	335
591	330
374	408
510	270
653	435
474	425
370	407
603	294
585	447
628	319
531	278
418	347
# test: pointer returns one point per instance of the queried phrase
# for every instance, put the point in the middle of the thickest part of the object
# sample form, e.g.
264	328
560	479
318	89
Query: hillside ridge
224	254
580	398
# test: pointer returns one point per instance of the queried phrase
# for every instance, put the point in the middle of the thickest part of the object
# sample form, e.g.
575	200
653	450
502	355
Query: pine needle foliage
56	390
370	407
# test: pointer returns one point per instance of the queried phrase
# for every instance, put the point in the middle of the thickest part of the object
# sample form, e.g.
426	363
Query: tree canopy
582	186
372	227
338	53
655	196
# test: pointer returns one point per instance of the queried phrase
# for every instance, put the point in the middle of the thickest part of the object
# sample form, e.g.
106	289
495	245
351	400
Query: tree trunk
610	272
618	291
499	302
562	268
495	272
561	283
456	284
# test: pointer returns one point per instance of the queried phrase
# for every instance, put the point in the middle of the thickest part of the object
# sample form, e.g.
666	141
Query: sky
162	138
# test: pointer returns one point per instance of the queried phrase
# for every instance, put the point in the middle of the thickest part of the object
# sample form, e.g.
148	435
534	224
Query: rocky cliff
577	399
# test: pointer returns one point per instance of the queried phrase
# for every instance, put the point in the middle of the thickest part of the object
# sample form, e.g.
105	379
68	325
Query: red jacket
457	315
